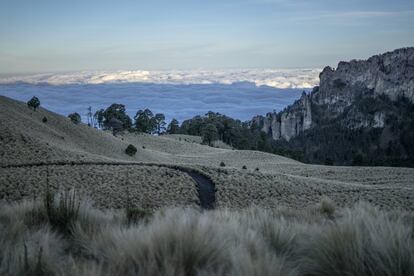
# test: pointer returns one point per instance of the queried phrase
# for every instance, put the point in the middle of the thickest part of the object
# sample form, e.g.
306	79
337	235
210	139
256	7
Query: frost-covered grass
322	240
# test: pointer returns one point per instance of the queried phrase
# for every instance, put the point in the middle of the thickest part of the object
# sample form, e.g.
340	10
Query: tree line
116	119
211	127
330	143
240	135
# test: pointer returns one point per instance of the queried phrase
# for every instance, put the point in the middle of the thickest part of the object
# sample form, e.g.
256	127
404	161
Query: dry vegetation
321	240
110	186
240	189
249	177
143	218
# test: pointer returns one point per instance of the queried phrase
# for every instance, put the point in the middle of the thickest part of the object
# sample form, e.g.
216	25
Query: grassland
248	177
274	215
321	240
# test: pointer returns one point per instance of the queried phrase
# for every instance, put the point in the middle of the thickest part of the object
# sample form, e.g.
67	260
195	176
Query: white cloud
178	94
277	78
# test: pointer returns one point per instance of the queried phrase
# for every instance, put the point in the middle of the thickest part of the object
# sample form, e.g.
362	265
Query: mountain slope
362	113
25	138
94	162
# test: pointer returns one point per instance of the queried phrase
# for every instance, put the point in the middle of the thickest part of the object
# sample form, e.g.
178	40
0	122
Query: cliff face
288	123
390	74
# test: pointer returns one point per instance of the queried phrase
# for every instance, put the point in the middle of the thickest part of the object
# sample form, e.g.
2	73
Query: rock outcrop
390	74
288	123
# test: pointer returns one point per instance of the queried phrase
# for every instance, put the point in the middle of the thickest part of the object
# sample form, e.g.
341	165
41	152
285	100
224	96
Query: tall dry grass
322	240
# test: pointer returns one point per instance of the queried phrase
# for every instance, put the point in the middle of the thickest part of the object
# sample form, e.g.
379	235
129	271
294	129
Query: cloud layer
277	78
240	100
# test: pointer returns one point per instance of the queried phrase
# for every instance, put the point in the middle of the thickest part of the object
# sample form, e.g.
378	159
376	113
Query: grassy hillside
247	177
141	215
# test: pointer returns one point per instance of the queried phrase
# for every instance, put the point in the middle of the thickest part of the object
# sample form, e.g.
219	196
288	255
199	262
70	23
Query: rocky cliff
288	123
341	89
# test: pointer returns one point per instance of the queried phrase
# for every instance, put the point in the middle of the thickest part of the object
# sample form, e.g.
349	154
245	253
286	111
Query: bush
244	167
131	150
33	103
222	164
75	118
44	120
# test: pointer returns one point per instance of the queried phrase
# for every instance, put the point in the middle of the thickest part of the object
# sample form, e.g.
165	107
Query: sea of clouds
278	78
240	94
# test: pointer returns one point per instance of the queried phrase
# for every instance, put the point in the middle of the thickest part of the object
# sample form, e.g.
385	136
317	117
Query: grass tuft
62	210
327	207
136	215
362	240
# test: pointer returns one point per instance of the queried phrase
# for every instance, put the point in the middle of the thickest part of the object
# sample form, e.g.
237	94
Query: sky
61	36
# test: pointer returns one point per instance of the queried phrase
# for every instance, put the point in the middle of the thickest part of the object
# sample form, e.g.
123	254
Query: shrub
33	103
75	118
44	120
222	164
131	150
244	167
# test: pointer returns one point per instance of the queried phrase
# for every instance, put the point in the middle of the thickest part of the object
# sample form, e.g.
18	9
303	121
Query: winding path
205	186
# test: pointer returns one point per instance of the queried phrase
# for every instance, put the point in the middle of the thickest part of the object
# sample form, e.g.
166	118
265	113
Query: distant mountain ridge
360	96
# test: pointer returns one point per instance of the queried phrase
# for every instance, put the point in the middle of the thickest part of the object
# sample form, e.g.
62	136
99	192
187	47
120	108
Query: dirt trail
206	190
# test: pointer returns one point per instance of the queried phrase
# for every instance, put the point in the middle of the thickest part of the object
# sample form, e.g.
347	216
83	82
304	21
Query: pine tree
33	103
209	134
75	118
173	127
144	121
